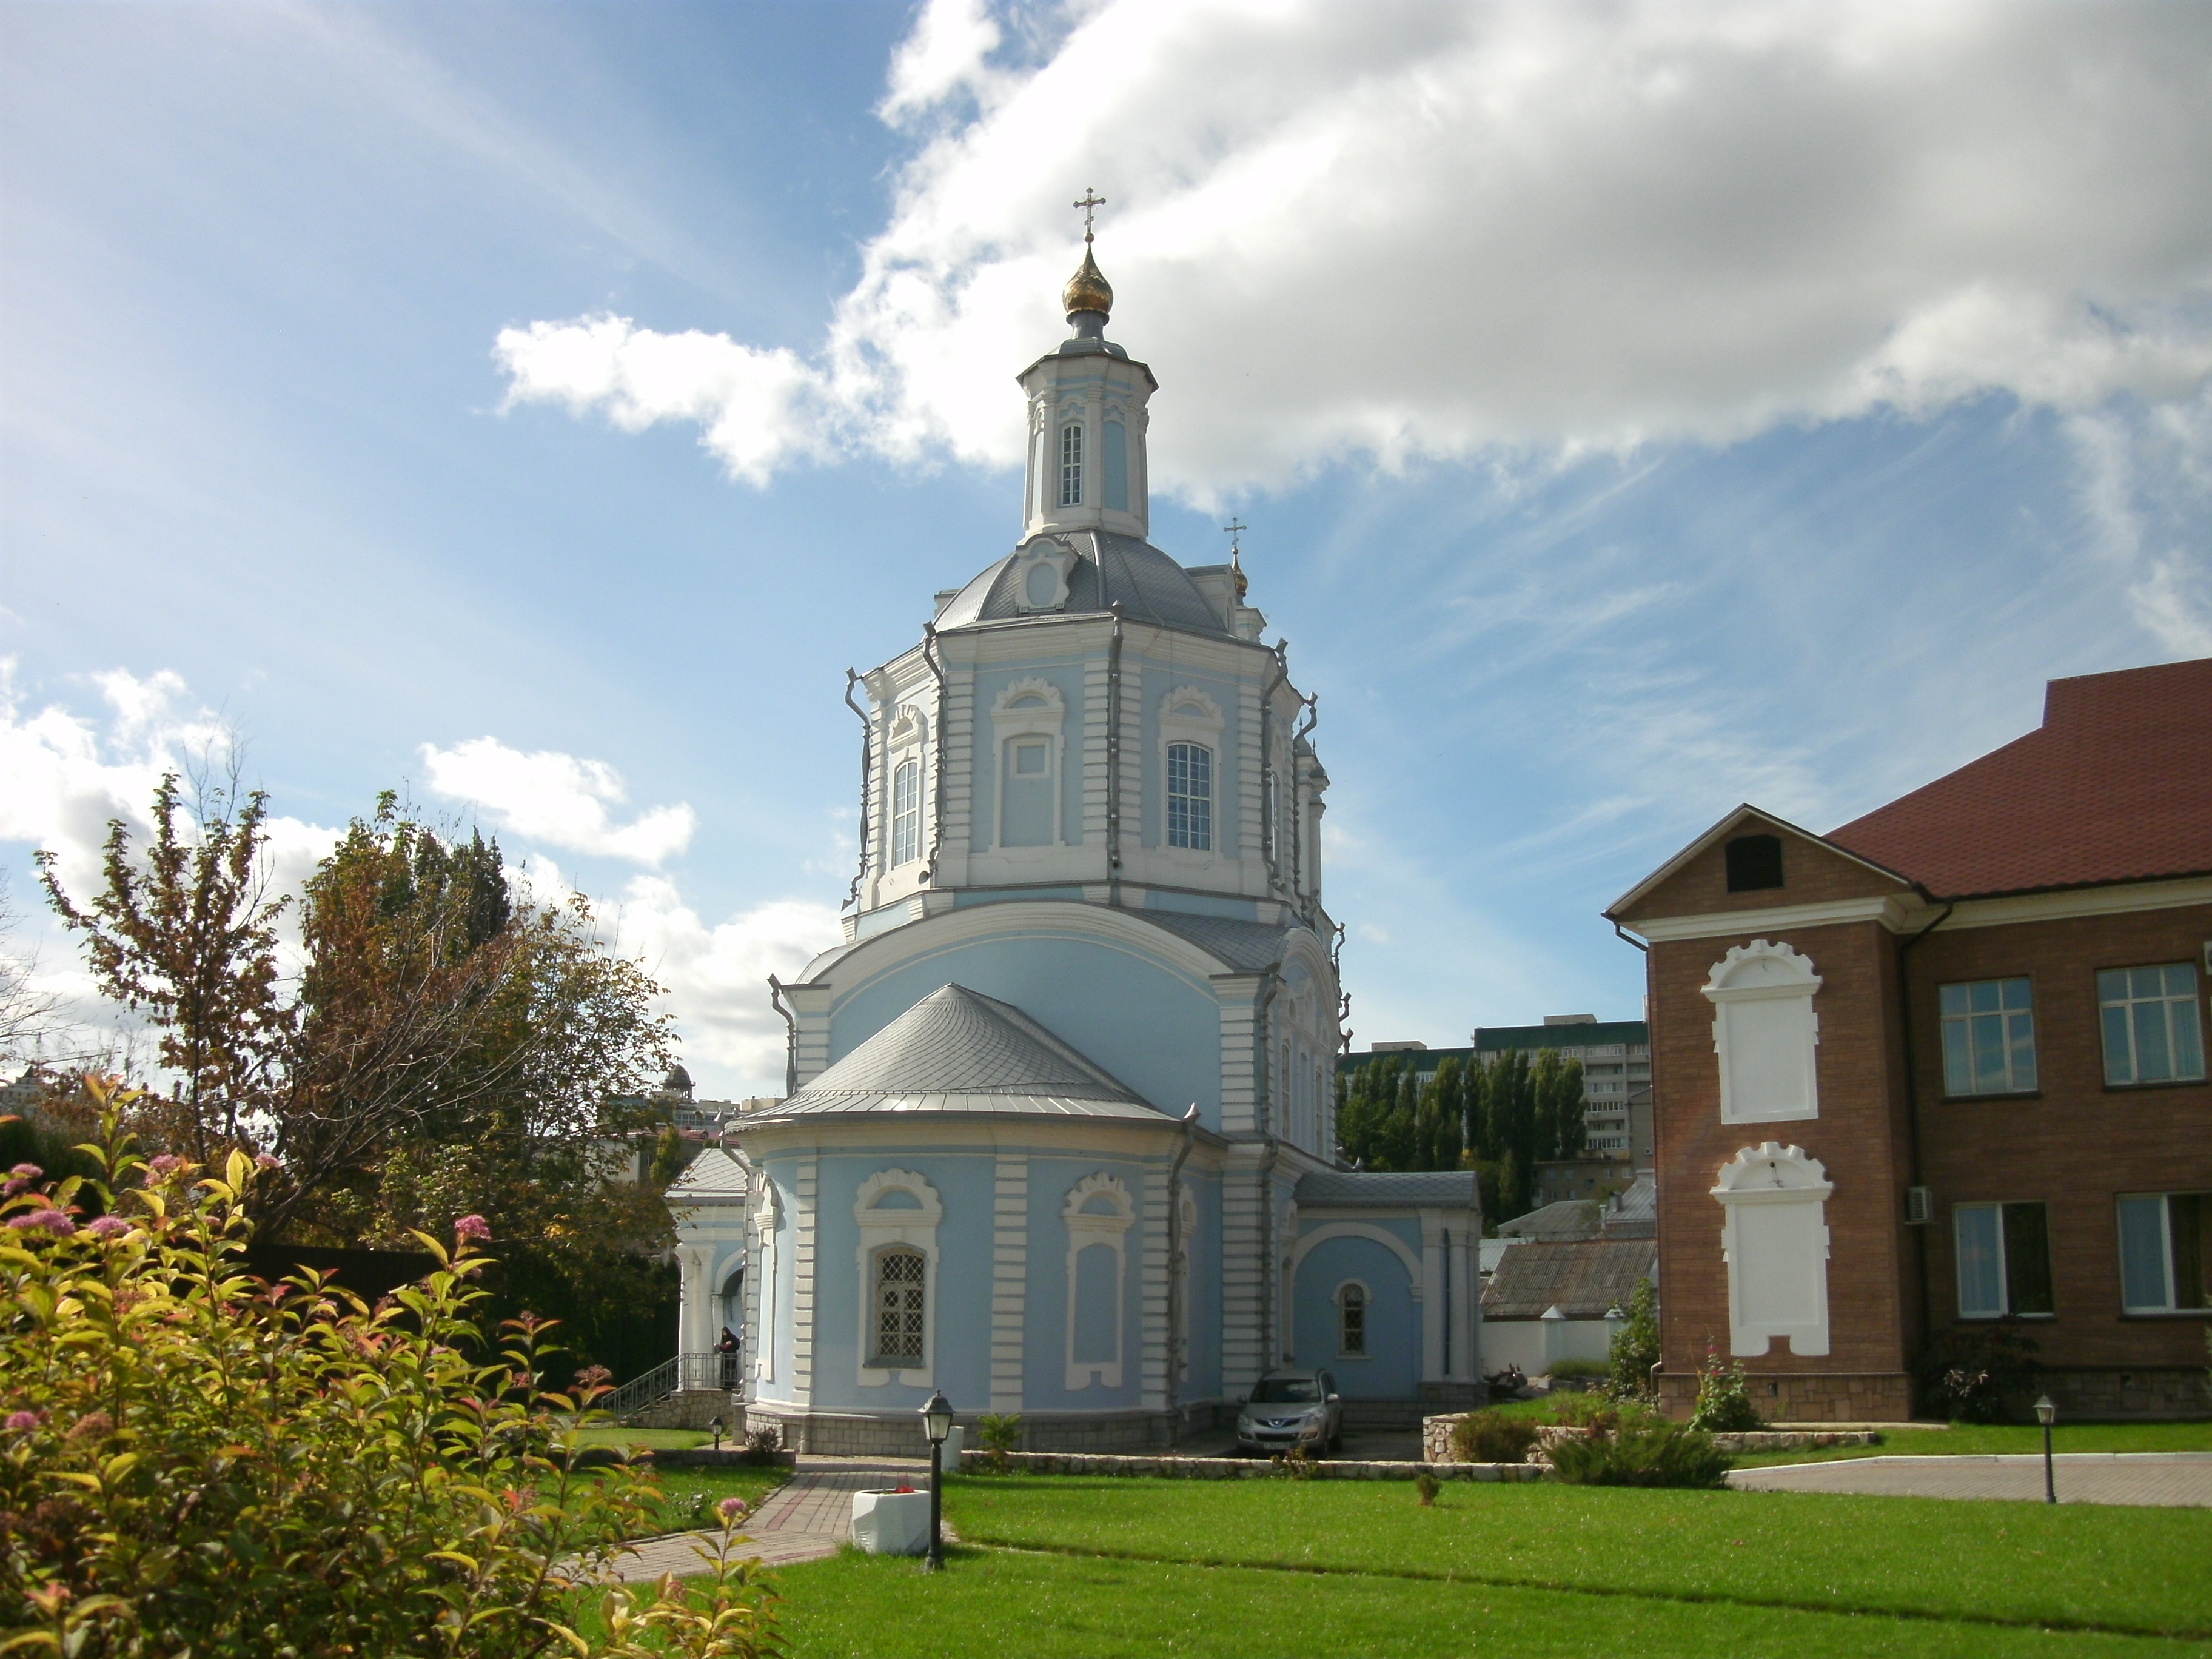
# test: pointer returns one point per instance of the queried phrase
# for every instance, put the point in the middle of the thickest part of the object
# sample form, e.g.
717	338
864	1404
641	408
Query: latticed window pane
1071	466
1190	796
899	1307
1354	1305
906	812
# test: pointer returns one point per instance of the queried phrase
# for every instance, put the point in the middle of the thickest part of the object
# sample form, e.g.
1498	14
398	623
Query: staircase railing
686	1372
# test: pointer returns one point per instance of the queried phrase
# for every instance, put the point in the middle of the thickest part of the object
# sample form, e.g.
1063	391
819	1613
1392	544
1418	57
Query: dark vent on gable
1753	862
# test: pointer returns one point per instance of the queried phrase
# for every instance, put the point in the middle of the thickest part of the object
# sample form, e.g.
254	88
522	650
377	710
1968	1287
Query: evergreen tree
1574	1133
1544	1102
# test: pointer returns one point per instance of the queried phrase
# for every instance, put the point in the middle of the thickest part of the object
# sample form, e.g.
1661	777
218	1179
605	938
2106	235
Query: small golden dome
1087	290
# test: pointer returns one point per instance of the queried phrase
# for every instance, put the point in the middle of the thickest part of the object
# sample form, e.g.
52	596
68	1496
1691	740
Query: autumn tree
446	1048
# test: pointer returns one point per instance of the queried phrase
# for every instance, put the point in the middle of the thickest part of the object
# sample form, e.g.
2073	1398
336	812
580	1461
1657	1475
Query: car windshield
1286	1391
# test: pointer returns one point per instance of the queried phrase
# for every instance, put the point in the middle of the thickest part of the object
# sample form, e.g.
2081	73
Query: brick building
1944	1067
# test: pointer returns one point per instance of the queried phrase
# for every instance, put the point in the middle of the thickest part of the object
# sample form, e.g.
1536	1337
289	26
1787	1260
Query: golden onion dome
1088	289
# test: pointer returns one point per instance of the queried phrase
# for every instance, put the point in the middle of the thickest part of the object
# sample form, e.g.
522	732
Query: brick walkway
806	1518
2175	1479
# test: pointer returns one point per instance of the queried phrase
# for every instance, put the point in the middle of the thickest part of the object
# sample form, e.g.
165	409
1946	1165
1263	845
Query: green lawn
658	1439
990	1602
2087	1567
1962	1439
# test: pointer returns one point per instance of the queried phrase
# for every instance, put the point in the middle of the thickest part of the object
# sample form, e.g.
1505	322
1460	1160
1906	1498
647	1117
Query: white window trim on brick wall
1765	1034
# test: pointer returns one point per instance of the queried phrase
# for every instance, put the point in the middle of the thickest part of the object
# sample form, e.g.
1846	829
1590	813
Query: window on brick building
1988	1037
2152	1034
1753	862
2166	1252
2004	1260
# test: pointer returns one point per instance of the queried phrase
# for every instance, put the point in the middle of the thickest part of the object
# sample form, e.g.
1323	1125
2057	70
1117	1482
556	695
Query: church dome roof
959	1051
678	1081
1110	569
1088	289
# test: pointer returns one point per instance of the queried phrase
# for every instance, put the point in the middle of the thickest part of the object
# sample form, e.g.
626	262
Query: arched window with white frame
1190	796
906	813
1190	780
1070	464
1351	1320
897	1212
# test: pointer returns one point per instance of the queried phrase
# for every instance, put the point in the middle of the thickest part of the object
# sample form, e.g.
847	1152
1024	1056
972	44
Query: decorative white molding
882	1226
1030	708
1774	1238
1366	1230
1041	570
1098	1213
761	1294
1010	1238
1896	912
1766	1033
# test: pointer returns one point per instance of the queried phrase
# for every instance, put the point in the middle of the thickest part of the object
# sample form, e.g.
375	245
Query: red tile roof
2116	786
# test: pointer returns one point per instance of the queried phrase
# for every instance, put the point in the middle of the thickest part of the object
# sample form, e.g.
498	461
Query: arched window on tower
1190	796
1070	464
906	812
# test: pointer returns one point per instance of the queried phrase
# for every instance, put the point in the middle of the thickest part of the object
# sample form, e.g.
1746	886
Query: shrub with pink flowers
197	1461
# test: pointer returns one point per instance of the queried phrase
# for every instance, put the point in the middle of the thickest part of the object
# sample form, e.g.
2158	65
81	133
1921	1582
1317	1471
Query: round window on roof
1042	587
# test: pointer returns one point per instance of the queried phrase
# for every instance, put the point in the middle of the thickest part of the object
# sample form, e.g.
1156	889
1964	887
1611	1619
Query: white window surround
1366	1312
907	744
1766	1033
1099	1210
881	1226
762	1280
1029	707
1774	1238
1189	715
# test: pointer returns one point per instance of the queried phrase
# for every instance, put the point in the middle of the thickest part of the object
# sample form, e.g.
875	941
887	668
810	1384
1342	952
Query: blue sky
538	407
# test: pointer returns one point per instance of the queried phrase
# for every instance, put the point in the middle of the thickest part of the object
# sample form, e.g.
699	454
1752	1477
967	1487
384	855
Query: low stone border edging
1241	1468
1436	1438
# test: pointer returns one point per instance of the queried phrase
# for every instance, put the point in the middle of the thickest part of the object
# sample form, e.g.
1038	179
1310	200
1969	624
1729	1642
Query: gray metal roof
1247	947
1582	1277
1571	1218
1148	584
958	1051
713	1176
1633	1213
1390	1189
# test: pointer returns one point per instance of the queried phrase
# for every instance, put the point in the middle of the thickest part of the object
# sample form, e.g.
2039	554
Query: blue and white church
1060	1131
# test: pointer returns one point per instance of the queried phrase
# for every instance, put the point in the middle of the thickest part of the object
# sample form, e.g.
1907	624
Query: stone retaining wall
1437	1431
1244	1468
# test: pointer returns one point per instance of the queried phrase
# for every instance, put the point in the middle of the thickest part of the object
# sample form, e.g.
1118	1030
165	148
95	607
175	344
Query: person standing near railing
727	1348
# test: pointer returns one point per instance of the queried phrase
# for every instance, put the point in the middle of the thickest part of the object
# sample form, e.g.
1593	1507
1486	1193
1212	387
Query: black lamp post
715	1423
2046	1413
937	1424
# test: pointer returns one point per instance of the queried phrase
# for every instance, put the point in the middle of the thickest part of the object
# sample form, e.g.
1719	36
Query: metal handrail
710	1370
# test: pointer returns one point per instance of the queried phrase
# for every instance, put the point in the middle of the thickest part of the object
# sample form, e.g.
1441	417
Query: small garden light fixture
937	1424
2046	1413
715	1423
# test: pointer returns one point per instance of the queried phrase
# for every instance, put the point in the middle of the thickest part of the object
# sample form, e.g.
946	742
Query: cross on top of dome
1088	290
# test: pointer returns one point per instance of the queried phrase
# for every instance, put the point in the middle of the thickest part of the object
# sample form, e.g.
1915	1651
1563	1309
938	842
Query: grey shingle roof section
1390	1190
1148	584
1571	1218
958	1051
1246	946
1583	1277
713	1177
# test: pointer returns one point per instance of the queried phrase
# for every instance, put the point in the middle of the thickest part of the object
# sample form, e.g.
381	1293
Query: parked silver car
1291	1408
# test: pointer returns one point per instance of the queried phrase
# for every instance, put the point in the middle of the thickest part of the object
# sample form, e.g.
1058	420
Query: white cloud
557	800
948	53
2145	487
717	976
1428	229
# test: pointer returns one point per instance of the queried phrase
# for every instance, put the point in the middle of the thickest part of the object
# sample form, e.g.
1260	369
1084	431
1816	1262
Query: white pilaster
1009	1278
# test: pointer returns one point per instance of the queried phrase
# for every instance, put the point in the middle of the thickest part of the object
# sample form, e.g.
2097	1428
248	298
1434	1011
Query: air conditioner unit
1919	1206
